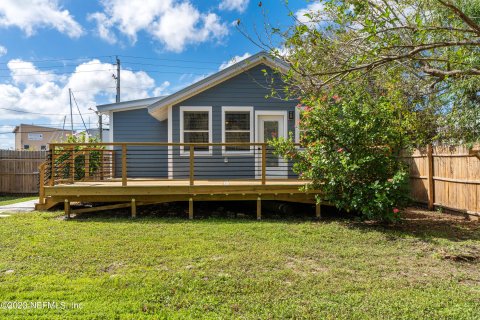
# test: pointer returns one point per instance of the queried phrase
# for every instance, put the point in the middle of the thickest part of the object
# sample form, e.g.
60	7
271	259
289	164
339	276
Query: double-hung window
237	123
196	127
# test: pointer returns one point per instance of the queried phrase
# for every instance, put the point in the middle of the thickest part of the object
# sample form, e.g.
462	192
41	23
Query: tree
375	77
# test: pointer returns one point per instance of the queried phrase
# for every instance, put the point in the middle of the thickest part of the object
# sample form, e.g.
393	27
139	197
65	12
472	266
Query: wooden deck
64	186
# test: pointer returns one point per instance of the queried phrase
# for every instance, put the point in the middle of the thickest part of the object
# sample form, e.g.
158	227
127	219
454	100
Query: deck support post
259	208
264	164
318	210
67	208
190	208
192	165
52	166
134	208
124	165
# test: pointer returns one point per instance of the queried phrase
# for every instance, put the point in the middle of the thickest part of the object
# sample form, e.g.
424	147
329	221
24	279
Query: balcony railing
70	163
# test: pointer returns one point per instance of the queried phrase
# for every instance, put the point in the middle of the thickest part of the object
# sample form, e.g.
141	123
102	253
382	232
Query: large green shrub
351	145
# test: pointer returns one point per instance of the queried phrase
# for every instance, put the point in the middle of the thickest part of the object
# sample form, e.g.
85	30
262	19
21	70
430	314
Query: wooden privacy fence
446	176
19	170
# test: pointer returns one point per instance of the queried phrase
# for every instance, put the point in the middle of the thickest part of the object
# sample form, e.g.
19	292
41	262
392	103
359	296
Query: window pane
237	137
196	137
238	120
270	130
195	120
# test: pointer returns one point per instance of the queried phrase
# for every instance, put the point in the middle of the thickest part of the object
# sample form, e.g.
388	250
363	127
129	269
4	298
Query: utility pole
71	111
118	81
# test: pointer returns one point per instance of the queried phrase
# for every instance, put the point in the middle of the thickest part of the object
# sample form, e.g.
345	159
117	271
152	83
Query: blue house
230	106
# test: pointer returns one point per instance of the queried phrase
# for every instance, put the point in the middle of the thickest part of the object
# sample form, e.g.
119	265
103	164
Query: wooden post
72	166
318	210
259	208
41	190
102	165
431	183
87	164
113	164
67	208
192	165
264	163
134	209
52	166
124	165
190	208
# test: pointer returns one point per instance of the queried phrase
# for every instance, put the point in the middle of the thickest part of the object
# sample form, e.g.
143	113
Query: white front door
270	126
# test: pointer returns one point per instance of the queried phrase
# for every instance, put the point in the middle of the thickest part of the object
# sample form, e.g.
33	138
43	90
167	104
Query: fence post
124	165
264	163
52	165
192	165
431	182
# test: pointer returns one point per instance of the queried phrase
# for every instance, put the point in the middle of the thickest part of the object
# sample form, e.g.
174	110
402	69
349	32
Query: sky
49	46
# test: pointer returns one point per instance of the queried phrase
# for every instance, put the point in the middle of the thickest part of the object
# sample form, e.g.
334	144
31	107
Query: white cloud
174	24
3	51
23	72
161	89
30	15
314	9
234	60
104	26
47	93
239	5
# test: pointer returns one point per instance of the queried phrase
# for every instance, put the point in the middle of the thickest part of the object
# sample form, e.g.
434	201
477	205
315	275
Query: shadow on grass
425	225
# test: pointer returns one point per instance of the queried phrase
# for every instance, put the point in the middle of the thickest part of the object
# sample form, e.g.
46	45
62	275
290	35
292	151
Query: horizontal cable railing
80	162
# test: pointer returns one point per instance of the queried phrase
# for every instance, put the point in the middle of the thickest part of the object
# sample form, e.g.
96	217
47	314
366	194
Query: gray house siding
139	126
247	89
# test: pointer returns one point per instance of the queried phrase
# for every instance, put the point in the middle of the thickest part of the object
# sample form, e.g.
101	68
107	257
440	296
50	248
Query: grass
236	268
4	200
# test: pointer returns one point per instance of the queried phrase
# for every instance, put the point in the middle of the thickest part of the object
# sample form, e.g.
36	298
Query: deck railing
69	163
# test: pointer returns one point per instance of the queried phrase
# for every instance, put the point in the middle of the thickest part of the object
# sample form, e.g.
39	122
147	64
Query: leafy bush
64	158
350	151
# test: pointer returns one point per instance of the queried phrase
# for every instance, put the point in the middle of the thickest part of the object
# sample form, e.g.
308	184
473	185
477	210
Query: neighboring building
231	105
37	138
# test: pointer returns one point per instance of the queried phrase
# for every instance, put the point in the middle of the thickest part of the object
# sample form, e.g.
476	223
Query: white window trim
240	152
203	109
271	113
297	125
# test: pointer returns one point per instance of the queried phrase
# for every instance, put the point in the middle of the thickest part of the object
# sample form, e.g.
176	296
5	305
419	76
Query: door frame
258	164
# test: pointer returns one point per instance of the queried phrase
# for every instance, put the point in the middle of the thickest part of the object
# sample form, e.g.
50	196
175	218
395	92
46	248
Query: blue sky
48	46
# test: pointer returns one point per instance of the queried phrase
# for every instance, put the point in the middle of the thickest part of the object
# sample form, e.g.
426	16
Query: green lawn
239	268
4	200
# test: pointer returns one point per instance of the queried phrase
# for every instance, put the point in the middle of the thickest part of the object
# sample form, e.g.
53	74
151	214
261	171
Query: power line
78	108
58	59
178	60
46	114
55	73
50	67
